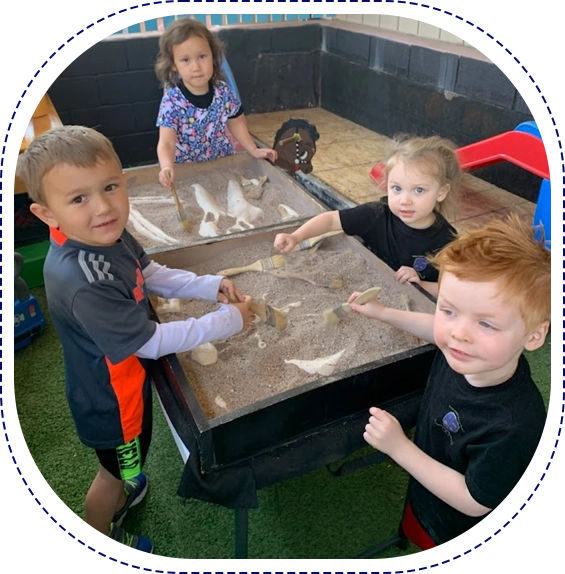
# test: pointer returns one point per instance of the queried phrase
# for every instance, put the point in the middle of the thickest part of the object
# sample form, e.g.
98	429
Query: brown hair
177	33
435	153
511	252
78	146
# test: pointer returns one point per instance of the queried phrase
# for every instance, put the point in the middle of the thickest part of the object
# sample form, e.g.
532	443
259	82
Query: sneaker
136	489
141	543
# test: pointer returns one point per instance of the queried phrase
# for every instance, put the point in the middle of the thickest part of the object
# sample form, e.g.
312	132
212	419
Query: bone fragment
207	203
220	402
286	212
149	230
208	229
168	304
323	366
238	207
205	354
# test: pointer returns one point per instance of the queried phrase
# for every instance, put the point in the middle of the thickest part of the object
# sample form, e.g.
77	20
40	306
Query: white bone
151	199
286	212
207	202
208	229
205	354
323	366
147	229
220	402
168	304
238	207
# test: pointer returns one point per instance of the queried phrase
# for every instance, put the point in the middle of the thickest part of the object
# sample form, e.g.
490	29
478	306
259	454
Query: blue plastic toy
28	318
542	215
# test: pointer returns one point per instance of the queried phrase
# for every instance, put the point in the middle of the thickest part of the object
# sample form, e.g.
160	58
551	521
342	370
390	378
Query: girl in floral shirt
199	107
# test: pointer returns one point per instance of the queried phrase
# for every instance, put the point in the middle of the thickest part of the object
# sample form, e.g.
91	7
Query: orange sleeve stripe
127	380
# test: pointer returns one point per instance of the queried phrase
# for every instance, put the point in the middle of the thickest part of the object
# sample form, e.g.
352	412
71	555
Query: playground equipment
28	317
523	147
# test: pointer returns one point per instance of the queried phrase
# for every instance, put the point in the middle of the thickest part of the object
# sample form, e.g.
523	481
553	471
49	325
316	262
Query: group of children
481	416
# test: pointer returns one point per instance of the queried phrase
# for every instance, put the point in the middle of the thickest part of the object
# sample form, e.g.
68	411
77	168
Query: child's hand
407	274
228	292
265	153
167	177
371	309
384	432
246	313
285	242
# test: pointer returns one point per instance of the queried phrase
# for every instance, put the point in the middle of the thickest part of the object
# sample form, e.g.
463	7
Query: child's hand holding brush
229	292
245	309
373	309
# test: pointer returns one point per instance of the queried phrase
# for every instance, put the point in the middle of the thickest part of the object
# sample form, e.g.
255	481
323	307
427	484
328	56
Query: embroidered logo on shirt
420	263
450	423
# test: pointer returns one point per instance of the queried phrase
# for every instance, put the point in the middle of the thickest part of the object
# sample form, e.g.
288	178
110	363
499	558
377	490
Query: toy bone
207	202
323	366
208	229
239	208
168	304
149	230
255	190
151	199
286	212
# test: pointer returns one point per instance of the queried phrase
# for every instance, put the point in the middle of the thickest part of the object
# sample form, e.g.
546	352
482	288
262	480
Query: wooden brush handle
308	243
363	298
235	270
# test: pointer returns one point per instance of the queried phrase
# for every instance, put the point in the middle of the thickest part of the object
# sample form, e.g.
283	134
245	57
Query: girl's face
413	194
194	62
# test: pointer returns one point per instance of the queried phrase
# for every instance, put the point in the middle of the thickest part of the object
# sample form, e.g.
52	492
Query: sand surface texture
251	365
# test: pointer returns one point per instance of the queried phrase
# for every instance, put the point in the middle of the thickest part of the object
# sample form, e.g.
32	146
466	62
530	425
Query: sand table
251	365
155	203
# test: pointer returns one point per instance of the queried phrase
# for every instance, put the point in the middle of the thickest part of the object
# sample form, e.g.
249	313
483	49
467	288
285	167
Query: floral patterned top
201	131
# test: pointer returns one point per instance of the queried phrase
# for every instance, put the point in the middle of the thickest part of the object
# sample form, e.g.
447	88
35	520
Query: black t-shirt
488	434
393	241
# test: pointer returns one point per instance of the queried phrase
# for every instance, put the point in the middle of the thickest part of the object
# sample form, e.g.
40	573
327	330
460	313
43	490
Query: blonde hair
177	33
435	154
77	146
511	252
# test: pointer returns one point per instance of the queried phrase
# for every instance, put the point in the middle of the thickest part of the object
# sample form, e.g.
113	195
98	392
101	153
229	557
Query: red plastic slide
520	148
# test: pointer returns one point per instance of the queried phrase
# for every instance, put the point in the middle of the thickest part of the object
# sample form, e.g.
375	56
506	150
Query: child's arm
181	336
322	223
179	283
419	324
238	128
384	433
166	155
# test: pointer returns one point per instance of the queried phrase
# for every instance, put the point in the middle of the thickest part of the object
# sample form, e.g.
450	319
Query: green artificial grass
312	516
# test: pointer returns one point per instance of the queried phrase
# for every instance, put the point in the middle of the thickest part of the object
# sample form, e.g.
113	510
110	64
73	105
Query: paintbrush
180	209
336	314
309	243
335	282
406	304
267	264
270	315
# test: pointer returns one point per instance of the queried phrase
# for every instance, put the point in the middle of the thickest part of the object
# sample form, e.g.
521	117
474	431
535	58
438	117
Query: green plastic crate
34	258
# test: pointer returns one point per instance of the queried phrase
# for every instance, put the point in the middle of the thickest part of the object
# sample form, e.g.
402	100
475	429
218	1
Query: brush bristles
335	315
273	262
336	282
270	315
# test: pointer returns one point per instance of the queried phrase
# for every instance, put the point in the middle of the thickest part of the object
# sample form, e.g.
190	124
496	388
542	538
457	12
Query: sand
214	177
251	365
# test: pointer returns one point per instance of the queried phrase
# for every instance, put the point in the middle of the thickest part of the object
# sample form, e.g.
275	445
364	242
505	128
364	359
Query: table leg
241	530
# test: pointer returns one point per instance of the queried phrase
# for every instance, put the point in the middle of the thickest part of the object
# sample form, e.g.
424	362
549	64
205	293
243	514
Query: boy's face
480	332
87	204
